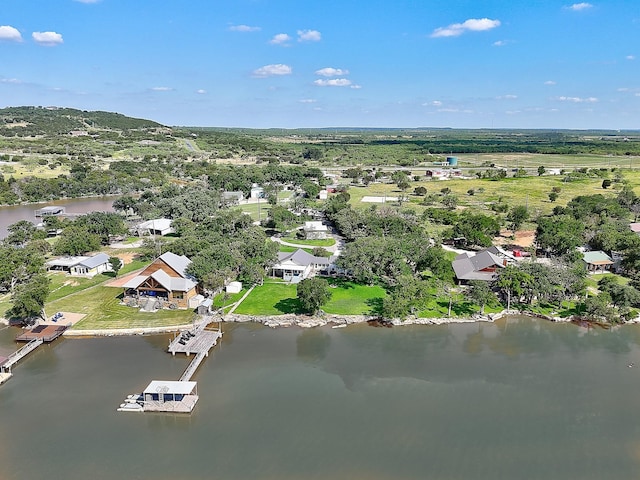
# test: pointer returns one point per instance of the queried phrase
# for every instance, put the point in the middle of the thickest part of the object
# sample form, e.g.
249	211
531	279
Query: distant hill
29	121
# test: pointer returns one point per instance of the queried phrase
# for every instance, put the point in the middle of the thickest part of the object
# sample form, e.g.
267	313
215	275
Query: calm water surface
518	400
14	213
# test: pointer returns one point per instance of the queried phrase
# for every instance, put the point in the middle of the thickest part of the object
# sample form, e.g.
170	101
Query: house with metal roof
484	265
597	261
315	230
82	265
157	226
296	266
163	284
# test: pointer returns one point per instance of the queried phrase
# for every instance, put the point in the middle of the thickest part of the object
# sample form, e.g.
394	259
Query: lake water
520	399
14	213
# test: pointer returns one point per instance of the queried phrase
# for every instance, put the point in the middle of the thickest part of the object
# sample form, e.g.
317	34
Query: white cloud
307	100
577	7
470	25
507	97
272	70
637	94
87	1
355	86
201	91
244	28
13	81
332	72
8	32
309	36
499	43
630	57
280	39
434	103
334	82
550	82
578	99
162	89
47	39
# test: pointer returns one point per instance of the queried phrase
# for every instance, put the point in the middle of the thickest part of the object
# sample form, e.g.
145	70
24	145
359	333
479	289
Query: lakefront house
163	284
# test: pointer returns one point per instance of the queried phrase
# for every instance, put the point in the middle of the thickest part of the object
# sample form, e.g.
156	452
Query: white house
315	230
81	266
157	226
256	191
296	266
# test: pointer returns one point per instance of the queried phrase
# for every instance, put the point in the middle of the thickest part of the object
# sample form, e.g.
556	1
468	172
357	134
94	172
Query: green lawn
63	284
101	305
272	298
326	242
286	248
219	300
348	298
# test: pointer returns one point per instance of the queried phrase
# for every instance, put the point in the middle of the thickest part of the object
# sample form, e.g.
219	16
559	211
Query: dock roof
171	387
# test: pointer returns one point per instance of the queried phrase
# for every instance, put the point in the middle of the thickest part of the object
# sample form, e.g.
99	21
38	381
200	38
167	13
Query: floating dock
178	396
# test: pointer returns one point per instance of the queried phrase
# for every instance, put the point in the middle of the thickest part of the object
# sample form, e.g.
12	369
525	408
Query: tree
116	264
606	183
421	191
76	241
313	293
21	232
512	282
28	298
480	293
517	216
553	196
541	170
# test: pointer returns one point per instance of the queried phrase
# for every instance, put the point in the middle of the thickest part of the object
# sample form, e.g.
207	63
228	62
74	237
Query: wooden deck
47	333
202	342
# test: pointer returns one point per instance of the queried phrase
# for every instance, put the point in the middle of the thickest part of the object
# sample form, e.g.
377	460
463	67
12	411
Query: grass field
531	191
348	298
325	242
101	305
272	298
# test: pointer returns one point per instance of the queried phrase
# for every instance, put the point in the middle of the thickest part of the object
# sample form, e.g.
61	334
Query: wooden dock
173	398
47	333
19	354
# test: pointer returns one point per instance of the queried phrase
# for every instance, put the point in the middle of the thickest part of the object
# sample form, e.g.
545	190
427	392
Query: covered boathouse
170	396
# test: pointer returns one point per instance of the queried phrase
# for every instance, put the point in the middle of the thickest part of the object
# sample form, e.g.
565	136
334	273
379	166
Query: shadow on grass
376	305
459	309
340	282
290	305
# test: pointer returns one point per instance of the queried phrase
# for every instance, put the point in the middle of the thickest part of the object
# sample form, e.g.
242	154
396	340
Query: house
323	194
296	266
484	265
158	226
315	230
164	283
81	266
256	191
597	261
232	198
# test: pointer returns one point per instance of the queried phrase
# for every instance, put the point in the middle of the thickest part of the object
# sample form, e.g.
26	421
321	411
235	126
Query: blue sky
308	63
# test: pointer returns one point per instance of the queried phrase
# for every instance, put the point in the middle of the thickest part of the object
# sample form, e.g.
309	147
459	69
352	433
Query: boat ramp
181	396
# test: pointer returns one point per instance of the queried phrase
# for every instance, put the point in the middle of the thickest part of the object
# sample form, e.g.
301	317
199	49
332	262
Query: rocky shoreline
304	321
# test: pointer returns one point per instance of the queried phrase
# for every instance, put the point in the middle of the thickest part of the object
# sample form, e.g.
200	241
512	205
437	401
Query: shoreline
304	321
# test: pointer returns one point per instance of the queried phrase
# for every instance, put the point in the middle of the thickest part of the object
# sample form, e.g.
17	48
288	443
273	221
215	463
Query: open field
532	191
101	305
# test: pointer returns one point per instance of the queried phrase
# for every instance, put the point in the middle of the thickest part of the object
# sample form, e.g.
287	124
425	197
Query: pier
178	396
18	355
35	337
